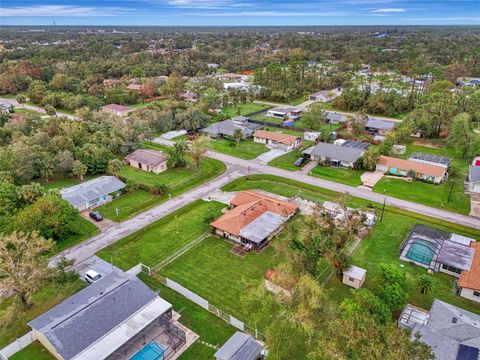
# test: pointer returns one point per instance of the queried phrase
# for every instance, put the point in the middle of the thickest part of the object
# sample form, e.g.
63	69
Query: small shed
354	276
240	346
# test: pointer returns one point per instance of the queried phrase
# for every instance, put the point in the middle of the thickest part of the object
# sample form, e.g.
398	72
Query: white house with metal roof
92	193
116	318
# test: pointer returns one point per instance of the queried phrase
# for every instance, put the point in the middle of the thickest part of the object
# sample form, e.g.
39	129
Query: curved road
15	103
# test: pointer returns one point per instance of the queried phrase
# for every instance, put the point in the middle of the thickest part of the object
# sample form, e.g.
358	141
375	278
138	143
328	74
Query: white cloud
60	11
389	10
271	14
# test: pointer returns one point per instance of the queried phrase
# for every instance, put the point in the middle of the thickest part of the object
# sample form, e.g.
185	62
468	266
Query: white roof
461	239
262	227
125	331
355	272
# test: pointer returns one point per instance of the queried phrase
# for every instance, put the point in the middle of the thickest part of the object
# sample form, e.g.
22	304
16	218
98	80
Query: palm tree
425	283
237	135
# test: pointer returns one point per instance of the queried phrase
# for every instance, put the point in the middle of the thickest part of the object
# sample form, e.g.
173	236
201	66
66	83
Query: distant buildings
335	155
377	126
325	95
227	128
117	109
276	140
292	112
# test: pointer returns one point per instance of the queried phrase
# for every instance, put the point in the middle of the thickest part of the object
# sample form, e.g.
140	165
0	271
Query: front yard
245	109
246	149
342	175
164	237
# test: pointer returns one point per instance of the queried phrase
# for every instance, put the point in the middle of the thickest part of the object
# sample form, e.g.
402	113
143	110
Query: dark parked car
95	215
300	161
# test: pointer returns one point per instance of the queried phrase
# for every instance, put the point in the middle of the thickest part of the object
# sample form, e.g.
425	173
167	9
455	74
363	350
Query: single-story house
134	87
93	193
230	77
6	107
117	109
240	346
452	332
148	160
354	276
334	154
379	126
254	219
113	319
438	250
311	135
227	128
189	96
277	140
430	159
326	95
401	167
285	111
333	117
468	285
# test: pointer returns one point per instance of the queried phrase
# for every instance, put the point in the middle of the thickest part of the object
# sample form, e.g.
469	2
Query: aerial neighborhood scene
233	180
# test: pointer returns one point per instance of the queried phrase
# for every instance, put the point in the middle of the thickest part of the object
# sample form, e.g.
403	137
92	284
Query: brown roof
136	87
148	157
250	205
275	136
407	165
471	279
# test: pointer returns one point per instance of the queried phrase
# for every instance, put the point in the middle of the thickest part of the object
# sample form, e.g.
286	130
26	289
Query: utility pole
451	189
383	208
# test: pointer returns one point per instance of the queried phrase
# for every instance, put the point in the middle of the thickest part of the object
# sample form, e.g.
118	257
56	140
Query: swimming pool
421	251
151	351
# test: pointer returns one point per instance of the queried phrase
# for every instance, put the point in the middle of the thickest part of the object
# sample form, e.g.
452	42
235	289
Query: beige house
354	276
148	160
277	140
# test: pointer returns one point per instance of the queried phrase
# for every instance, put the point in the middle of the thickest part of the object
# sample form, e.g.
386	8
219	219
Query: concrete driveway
95	263
265	158
370	178
103	225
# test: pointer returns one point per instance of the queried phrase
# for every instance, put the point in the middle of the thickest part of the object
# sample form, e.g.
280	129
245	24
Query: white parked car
91	276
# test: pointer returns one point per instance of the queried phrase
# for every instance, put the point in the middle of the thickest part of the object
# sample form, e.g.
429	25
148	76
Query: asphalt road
34	108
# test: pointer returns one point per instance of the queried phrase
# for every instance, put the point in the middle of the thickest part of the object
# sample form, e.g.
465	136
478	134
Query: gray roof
91	190
377	123
227	127
474	173
335	152
356	144
457	255
82	319
262	227
336	117
448	328
355	272
149	157
240	346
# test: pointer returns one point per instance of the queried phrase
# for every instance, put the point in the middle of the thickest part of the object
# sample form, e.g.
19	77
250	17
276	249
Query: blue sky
239	12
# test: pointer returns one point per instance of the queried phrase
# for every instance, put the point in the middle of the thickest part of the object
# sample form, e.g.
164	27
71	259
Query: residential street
86	250
34	108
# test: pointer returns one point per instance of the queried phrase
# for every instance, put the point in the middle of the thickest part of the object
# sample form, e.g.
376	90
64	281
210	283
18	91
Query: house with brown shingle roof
277	140
401	167
469	282
148	160
253	219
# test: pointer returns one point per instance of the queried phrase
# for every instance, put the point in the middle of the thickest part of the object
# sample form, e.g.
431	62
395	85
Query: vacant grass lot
298	124
342	175
33	351
287	161
213	272
430	194
160	239
14	318
85	229
209	327
246	149
245	109
381	246
178	181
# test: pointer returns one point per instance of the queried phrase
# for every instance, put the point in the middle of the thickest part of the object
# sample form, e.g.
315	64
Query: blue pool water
151	351
421	251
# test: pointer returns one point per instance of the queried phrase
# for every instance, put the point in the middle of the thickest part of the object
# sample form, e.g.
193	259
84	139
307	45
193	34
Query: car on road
95	215
300	161
91	276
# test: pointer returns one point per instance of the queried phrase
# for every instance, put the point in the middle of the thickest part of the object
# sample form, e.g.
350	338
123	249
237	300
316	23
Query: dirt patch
428	144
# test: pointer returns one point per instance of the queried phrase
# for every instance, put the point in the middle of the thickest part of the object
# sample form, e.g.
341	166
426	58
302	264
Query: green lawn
285	131
287	160
13	318
247	149
155	242
178	181
383	243
85	229
20	110
429	194
341	175
245	109
213	272
61	183
34	351
209	327
298	124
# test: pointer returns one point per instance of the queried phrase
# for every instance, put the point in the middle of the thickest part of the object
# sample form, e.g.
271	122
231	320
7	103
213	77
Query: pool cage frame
411	239
161	331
